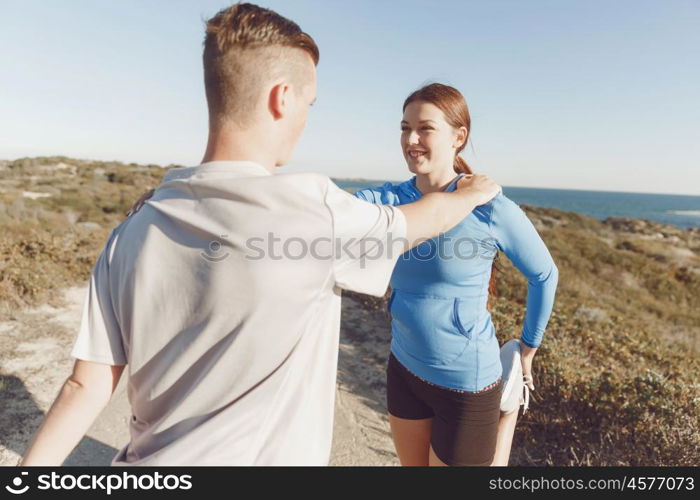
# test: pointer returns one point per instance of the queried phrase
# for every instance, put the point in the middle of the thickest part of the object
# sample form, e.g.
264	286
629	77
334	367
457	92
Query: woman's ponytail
460	166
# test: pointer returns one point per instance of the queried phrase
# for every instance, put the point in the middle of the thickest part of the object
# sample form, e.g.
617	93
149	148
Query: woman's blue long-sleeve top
441	329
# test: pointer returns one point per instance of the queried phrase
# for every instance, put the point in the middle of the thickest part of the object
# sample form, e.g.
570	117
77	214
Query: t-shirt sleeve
517	237
99	337
366	194
367	240
383	194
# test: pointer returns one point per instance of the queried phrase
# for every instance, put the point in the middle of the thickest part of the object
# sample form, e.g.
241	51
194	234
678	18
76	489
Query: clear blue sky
583	94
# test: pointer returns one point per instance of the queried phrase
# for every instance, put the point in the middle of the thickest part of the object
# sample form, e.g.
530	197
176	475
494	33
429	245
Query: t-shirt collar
409	187
234	166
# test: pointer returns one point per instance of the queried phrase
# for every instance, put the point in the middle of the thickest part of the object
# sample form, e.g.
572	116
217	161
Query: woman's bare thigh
411	439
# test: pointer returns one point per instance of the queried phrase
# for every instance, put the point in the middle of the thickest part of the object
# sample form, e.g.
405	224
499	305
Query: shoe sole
512	376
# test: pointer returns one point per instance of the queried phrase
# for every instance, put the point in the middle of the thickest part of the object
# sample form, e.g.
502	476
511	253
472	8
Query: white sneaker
515	390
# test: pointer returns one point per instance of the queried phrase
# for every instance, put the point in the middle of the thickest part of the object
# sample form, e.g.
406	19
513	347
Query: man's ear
278	100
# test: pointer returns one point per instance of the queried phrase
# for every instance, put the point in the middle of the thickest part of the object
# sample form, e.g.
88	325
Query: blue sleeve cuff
528	343
362	194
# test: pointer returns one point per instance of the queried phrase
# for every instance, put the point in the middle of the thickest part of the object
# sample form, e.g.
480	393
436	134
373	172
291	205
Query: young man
222	294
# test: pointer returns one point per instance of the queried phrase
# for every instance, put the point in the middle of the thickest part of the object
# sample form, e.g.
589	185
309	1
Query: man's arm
433	214
436	213
81	399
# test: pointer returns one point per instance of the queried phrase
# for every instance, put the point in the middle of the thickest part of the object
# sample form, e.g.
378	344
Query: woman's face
428	142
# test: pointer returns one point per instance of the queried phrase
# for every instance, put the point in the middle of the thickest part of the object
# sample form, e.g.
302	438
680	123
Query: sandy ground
35	360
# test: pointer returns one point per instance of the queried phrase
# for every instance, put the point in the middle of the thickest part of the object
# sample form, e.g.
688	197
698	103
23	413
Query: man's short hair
245	47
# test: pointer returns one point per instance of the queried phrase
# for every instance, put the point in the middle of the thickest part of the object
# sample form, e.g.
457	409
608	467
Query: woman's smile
415	154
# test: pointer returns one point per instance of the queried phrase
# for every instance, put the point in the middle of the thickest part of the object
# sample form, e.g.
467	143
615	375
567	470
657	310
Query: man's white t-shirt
222	295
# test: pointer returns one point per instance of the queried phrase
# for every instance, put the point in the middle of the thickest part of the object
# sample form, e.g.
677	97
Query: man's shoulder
304	177
313	184
303	183
174	173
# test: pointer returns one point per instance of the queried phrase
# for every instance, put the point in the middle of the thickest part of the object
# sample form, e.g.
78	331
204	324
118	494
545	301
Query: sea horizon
680	210
379	182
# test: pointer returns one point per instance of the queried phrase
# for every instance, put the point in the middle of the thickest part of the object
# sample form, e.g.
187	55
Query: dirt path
35	360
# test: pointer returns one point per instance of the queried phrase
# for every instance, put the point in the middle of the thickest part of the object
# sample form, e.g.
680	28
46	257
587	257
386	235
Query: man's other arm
81	399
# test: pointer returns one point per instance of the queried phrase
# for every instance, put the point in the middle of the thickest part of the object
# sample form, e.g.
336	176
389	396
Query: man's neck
231	145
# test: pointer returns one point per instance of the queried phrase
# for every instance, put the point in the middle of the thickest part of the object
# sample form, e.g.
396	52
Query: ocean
680	210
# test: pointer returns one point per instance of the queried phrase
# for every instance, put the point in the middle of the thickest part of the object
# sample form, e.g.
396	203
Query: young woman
444	374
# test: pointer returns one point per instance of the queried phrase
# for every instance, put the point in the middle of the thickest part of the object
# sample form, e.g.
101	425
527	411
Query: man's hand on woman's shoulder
479	186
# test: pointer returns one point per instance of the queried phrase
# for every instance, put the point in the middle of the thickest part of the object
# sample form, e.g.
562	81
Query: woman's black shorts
465	424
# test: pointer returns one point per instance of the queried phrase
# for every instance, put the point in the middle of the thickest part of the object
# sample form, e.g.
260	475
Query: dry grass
52	242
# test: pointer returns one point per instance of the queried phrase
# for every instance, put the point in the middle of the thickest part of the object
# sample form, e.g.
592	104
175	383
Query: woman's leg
411	439
465	427
433	460
506	429
410	418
